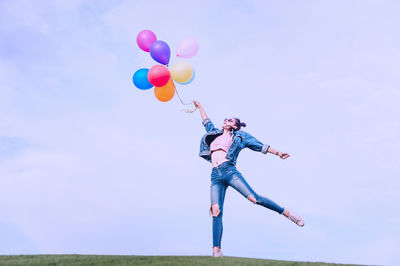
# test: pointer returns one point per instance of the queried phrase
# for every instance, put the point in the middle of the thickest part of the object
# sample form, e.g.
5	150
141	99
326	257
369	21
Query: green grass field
78	260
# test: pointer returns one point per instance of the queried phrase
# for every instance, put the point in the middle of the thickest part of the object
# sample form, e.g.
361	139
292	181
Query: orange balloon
165	93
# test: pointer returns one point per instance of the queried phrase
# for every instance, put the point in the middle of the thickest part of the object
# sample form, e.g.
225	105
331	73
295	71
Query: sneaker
294	217
218	254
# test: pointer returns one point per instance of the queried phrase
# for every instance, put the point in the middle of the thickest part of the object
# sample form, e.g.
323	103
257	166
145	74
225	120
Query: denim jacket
241	140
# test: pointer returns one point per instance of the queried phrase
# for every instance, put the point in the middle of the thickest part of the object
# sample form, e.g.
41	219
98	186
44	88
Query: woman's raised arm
202	112
208	125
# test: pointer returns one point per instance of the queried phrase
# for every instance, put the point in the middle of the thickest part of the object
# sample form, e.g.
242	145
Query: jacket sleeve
254	144
209	126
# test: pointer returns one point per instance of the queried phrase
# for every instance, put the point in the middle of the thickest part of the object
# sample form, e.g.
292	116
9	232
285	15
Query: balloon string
185	110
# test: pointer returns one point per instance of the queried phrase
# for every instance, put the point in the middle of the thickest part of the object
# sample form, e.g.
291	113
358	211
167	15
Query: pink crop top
221	142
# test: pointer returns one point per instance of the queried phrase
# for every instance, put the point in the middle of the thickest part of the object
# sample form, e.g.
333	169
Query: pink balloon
145	39
187	48
158	75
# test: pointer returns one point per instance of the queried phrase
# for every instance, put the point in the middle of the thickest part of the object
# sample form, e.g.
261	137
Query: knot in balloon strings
185	110
189	111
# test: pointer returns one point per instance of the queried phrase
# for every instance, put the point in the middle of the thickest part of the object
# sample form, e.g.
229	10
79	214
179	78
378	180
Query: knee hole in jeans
252	199
214	209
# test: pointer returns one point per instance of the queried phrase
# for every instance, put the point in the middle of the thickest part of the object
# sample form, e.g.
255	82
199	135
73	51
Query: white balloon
187	48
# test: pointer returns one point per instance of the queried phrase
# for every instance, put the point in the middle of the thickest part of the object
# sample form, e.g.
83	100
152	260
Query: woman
221	147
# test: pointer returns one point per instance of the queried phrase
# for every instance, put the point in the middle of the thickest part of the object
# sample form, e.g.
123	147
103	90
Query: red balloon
158	75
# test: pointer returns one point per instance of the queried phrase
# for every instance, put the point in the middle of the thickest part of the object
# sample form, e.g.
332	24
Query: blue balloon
140	79
187	81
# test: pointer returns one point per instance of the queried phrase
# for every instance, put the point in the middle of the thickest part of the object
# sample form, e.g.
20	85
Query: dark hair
239	124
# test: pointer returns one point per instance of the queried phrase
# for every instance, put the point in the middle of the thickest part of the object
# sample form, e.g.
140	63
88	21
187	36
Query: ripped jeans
226	175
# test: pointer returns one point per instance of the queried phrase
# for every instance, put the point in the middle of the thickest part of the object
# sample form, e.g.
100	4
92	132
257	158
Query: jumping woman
221	147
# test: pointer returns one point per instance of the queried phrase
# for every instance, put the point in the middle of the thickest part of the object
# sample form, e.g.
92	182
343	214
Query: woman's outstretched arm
256	145
202	112
283	155
209	126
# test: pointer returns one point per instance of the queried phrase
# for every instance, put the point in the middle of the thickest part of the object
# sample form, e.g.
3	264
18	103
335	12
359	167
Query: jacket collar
235	133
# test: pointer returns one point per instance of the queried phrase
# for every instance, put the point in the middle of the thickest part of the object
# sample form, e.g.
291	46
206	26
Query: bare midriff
218	157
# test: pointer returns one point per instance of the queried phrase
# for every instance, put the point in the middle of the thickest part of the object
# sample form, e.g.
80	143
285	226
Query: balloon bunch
160	76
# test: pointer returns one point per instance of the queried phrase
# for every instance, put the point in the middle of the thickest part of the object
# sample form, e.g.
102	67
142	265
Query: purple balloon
160	52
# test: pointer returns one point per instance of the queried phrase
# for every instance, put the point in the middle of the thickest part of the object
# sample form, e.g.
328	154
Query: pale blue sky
91	164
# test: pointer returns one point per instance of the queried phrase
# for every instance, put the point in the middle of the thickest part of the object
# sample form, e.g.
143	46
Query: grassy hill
113	260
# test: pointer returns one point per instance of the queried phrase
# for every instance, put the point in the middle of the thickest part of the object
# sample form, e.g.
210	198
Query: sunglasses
229	119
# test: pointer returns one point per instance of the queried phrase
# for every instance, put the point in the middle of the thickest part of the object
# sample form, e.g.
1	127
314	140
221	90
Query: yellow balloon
165	93
181	72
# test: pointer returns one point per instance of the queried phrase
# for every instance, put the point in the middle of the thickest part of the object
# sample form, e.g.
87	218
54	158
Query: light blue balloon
189	80
140	79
